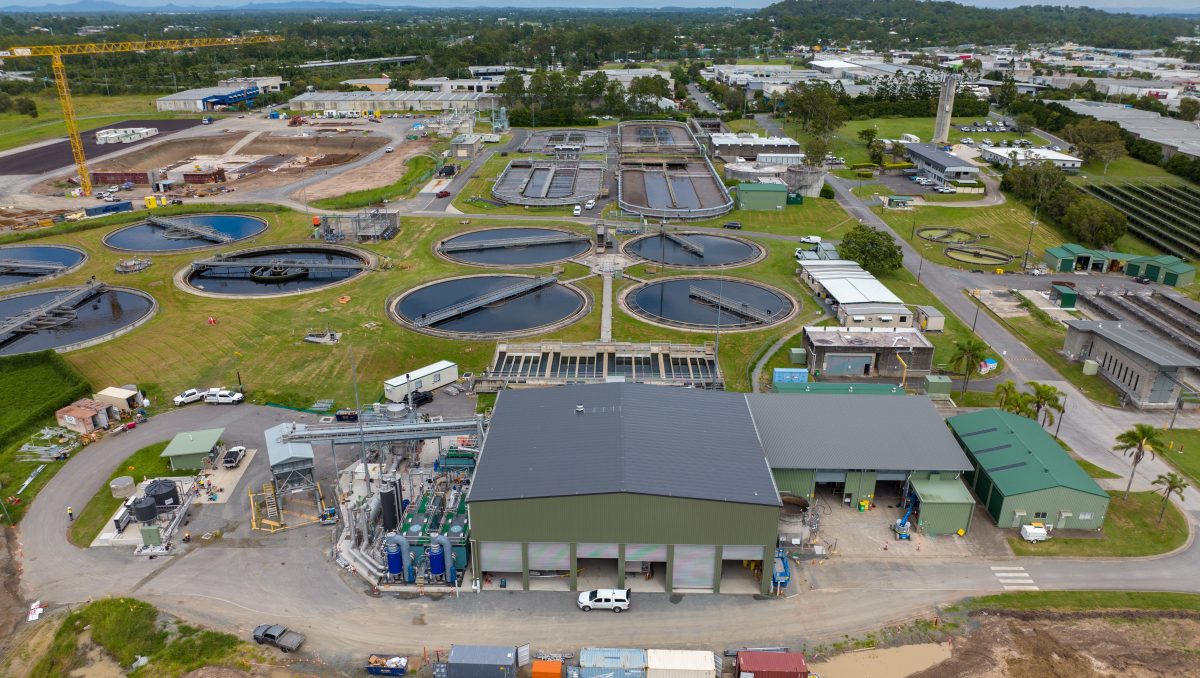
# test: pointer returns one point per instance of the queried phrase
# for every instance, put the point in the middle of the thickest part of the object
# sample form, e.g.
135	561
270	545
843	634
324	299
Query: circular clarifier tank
21	264
694	250
704	303
514	246
488	305
185	232
275	271
87	316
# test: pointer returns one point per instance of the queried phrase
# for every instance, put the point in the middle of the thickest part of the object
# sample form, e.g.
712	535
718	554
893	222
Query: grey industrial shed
618	473
851	443
291	463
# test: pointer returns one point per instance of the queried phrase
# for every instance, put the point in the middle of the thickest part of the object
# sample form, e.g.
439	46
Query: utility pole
362	438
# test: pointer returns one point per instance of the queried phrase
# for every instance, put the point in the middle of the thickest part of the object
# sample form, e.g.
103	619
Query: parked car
443	194
811	239
732	225
591	204
419	398
233	456
191	395
616	600
278	635
388	149
224	397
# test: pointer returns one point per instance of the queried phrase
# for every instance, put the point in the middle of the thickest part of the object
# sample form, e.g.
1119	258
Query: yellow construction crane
56	53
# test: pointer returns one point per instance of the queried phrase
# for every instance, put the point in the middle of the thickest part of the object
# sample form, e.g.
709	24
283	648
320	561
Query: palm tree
1172	483
967	354
1135	443
1006	391
1045	398
1022	405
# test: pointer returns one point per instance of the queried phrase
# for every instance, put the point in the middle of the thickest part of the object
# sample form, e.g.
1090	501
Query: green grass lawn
817	216
1130	530
1183	452
1005	227
145	463
746	125
1087	600
418	171
1093	470
847	144
1046	340
1125	169
92	112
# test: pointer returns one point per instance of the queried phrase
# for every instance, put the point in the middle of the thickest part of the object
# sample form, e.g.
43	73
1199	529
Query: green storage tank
938	384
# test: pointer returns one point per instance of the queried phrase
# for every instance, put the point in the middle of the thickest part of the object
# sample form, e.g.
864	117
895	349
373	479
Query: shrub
827	191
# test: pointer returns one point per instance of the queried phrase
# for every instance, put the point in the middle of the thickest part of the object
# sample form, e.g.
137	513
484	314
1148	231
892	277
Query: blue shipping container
612	662
790	375
109	208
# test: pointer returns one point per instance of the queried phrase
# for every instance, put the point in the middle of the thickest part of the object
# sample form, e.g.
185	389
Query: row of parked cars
213	396
931	184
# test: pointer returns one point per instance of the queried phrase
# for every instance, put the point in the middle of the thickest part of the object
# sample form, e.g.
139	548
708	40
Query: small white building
1020	157
426	378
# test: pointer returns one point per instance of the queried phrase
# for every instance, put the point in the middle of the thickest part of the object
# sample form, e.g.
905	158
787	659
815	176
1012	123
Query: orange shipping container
547	669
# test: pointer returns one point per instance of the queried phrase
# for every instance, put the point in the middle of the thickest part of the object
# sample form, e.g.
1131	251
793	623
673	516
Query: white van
577	211
616	600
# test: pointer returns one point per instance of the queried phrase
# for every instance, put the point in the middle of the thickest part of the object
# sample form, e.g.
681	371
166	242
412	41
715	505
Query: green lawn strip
1125	169
1183	452
746	125
1086	600
975	398
1131	529
418	172
1047	342
141	465
91	111
1093	470
817	216
1005	227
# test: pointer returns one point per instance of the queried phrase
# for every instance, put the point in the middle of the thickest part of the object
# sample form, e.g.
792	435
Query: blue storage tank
790	375
437	560
612	662
395	562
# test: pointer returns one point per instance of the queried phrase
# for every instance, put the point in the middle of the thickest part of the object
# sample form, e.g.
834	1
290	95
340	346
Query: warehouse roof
1151	348
392	95
854	432
193	442
934	155
204	93
488	655
629	438
1167	262
859	291
1042	154
1018	454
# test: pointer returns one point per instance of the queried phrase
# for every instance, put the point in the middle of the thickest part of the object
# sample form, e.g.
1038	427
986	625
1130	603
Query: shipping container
547	669
209	177
771	665
120	178
680	664
482	661
109	208
612	662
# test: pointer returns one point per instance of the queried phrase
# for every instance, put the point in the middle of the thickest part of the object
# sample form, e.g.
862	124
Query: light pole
976	319
1025	262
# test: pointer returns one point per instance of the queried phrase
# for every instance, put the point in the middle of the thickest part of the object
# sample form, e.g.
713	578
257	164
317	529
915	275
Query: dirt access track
1130	644
383	171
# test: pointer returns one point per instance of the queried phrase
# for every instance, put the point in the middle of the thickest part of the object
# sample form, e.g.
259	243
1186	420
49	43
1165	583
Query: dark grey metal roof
936	156
852	432
1151	348
630	438
487	655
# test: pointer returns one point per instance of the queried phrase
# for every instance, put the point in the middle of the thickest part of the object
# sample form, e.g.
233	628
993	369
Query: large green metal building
1022	475
600	476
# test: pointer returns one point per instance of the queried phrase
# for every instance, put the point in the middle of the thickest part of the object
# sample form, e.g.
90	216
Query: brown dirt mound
157	156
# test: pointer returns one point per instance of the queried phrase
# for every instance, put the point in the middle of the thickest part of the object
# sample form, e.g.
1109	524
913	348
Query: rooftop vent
579	408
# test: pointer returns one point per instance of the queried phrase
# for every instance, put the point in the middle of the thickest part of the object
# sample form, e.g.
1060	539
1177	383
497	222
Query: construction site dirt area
58	154
376	174
1094	644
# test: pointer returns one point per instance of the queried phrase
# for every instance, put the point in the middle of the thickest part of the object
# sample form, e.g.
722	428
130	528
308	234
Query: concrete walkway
606	308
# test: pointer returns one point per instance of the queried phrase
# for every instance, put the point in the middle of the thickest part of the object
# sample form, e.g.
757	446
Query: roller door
500	556
890	475
695	566
848	365
597	551
831	477
654	553
752	552
549	556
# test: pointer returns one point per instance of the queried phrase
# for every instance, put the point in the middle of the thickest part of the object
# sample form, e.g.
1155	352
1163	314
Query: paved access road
698	95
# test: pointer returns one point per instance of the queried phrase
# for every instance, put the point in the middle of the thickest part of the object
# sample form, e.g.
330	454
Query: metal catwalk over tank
375	432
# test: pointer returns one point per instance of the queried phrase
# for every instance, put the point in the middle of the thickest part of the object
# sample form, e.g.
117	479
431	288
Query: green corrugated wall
937	519
1053	501
795	481
860	485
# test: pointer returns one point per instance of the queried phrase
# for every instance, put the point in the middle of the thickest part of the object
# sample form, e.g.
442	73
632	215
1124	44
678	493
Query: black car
734	225
419	398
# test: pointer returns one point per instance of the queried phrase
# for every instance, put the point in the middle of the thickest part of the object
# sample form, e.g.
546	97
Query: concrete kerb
185	250
623	302
105	337
371	261
394	314
760	252
44	278
437	248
